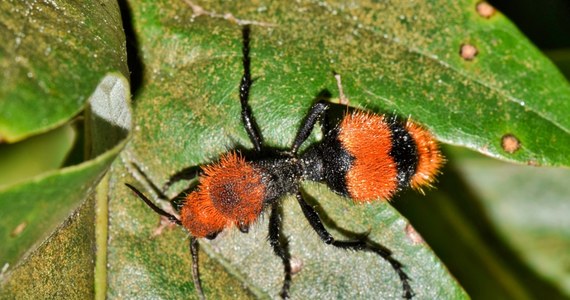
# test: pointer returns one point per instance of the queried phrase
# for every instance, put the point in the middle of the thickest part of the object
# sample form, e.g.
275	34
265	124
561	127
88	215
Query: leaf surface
58	58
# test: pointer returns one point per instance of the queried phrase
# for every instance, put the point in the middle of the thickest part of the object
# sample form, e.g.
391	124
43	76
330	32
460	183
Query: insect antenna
157	209
193	241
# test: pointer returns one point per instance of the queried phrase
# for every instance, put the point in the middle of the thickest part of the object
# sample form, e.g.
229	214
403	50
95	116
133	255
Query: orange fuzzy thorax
230	192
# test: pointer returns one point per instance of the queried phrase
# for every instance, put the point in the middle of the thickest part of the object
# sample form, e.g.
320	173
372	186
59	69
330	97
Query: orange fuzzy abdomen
367	138
430	159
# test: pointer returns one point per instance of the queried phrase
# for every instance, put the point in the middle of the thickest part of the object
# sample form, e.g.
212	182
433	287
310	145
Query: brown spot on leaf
200	11
510	143
485	9
164	223
413	235
296	265
468	51
19	229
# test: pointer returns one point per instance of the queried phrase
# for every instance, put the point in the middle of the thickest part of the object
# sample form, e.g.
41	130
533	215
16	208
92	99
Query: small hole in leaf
510	143
468	51
485	9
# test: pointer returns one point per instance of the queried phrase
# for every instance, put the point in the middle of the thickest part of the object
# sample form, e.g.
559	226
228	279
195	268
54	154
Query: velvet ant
365	157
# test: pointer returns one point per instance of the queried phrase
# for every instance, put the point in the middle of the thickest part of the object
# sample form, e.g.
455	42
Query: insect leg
312	117
280	246
357	245
184	174
178	200
194	247
244	88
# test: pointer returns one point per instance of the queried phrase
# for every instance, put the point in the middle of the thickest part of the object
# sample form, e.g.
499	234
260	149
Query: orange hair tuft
200	217
430	159
367	137
234	187
230	192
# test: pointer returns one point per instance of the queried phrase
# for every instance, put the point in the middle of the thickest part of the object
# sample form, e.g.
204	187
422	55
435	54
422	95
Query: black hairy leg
193	242
315	113
356	245
151	204
194	247
280	246
187	173
246	114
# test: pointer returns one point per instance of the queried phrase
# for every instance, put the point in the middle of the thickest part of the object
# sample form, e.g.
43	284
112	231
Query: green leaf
62	267
500	228
189	114
532	220
28	158
66	57
33	208
395	58
392	58
53	54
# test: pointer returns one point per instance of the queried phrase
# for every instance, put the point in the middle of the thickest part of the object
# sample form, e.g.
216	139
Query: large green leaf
53	54
33	208
395	58
402	59
498	227
66	57
62	267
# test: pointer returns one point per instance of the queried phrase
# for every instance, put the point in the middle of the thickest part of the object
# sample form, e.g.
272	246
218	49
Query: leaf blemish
19	229
485	9
164	223
297	265
413	235
510	143
468	51
200	11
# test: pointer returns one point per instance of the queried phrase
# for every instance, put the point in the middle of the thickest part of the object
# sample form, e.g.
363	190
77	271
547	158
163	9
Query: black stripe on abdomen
404	152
